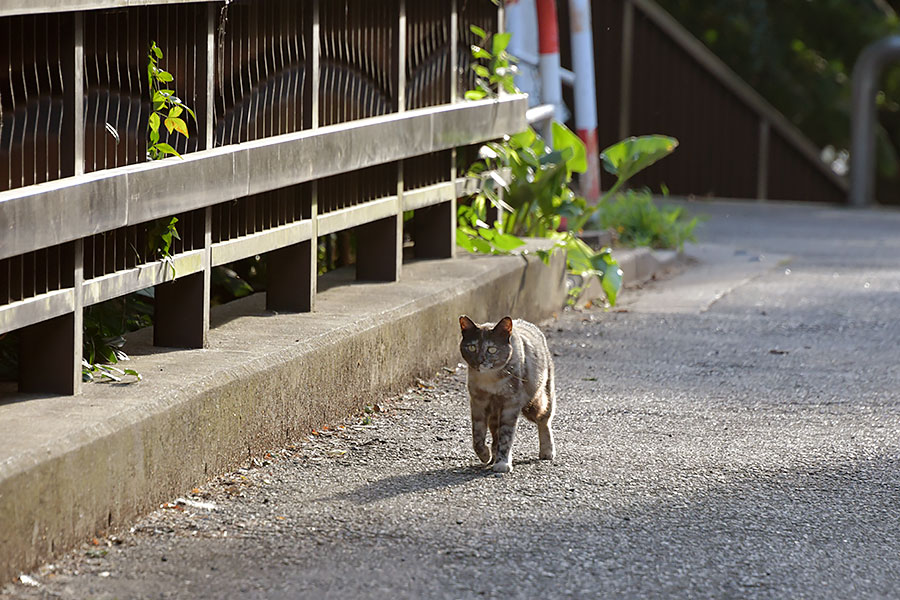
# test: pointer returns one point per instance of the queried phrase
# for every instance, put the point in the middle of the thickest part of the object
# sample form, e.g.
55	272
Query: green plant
102	335
527	181
495	68
638	221
167	108
160	239
532	201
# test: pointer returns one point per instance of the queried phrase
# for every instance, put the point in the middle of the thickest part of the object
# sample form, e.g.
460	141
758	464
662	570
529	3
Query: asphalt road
733	431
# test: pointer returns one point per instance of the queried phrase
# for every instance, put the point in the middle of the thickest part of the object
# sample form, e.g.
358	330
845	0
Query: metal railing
313	117
866	71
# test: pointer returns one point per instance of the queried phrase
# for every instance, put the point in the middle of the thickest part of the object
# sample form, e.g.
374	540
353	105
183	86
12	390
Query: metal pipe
866	72
548	38
585	94
540	114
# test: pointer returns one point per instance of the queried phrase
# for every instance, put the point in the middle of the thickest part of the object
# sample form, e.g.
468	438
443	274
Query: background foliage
799	54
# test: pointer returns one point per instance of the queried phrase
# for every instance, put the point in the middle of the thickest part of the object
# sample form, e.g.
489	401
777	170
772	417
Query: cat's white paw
547	454
502	466
484	454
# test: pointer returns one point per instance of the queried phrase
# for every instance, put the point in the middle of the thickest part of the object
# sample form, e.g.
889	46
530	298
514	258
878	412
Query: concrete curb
72	468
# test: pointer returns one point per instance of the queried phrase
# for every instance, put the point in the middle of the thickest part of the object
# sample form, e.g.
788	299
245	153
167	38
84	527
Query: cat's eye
492	350
471	347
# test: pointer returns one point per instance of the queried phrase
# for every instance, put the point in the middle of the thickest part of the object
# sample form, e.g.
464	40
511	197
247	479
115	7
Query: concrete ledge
71	468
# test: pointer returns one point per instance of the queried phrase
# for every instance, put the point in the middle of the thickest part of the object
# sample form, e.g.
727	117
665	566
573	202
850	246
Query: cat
510	372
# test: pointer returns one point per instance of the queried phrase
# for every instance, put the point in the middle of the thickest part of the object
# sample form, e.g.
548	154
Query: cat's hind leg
545	421
545	438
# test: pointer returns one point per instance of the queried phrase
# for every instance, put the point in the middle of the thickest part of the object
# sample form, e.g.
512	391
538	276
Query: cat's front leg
479	432
509	417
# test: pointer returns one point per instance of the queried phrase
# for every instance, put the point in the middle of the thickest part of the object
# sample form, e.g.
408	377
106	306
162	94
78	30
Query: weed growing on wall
527	181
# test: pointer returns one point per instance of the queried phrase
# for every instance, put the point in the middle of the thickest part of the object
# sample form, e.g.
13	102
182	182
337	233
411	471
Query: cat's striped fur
510	372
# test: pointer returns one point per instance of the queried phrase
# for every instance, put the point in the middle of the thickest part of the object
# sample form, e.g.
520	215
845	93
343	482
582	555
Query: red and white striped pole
585	94
548	45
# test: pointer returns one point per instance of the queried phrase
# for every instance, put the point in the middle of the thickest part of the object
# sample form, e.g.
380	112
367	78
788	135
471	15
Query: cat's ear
504	326
466	324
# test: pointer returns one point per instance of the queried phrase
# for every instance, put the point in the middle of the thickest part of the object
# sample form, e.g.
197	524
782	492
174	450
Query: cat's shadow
398	485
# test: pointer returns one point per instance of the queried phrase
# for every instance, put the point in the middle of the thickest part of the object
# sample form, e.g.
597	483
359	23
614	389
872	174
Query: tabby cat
510	371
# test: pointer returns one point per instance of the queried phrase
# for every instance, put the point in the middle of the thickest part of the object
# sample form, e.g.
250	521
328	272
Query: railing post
50	352
292	271
435	226
379	254
862	148
181	314
290	287
762	169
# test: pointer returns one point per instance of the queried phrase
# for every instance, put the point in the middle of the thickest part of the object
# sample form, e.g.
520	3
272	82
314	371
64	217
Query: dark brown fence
313	117
654	77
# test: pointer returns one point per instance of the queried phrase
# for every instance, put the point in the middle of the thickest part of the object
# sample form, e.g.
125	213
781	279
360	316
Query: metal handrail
874	58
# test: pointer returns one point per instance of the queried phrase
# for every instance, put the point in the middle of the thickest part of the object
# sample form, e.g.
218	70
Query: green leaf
500	42
524	139
175	111
632	155
166	149
481	71
164	76
154	121
475	95
180	126
507	242
479	52
156	50
478	31
464	241
170	124
481	245
565	138
486	233
612	283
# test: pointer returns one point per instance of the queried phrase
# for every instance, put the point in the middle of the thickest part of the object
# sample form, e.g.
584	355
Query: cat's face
485	348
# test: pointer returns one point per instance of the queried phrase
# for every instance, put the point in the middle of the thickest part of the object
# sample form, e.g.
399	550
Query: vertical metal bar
400	58
314	67
206	65
454	51
72	135
627	63
762	169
